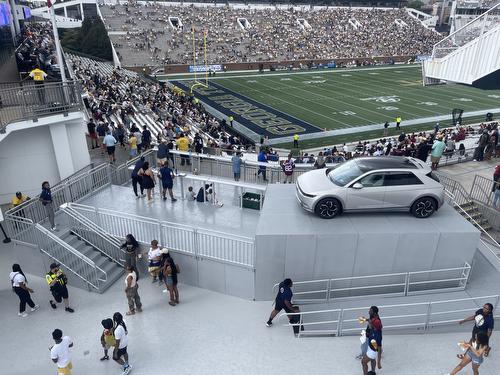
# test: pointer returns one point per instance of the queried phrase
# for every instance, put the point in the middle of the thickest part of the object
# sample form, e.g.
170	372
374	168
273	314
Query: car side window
373	180
401	179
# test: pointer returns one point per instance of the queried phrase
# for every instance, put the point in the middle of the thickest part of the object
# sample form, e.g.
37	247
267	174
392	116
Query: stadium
250	187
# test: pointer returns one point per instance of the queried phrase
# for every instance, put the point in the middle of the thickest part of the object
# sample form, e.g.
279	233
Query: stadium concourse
143	34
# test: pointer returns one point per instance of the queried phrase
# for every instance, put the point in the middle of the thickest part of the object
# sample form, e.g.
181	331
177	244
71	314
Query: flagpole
60	61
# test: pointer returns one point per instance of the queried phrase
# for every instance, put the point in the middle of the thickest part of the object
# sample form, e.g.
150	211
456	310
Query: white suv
390	183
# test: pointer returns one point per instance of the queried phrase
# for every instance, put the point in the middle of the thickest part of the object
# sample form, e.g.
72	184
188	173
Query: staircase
471	213
469	55
113	270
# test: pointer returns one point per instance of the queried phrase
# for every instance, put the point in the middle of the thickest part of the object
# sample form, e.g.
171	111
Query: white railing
411	316
467	33
393	284
197	242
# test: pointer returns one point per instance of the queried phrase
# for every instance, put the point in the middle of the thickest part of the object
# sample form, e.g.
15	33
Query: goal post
200	80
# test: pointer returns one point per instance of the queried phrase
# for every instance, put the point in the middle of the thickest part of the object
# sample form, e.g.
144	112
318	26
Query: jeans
24	298
134	301
49	209
496	199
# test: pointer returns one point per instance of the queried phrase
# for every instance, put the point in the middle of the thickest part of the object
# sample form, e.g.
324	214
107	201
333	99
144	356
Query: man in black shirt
92	134
284	302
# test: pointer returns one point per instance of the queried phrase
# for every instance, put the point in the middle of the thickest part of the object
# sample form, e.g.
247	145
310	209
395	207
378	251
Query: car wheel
328	208
423	207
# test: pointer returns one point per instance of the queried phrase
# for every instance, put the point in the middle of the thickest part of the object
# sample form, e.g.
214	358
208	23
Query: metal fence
198	242
392	284
421	316
482	190
29	102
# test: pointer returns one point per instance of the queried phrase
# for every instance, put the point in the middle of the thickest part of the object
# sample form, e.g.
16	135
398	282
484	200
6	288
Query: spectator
288	167
236	162
132	250
483	141
475	351
437	150
110	143
18	199
146	138
262	158
283	301
386	128
91	128
191	194
60	353
20	287
101	132
170	272
154	258
131	291
162	153
148	180
46	199
167	181
107	337
138	136
120	354
183	145
198	143
39	76
371	350
496	195
320	161
132	142
136	179
57	281
484	322
119	134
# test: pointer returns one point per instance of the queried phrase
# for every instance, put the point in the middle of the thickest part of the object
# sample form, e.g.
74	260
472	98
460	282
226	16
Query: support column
81	10
65	12
62	150
15	18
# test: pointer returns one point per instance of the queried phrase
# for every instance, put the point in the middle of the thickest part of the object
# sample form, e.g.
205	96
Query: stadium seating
144	35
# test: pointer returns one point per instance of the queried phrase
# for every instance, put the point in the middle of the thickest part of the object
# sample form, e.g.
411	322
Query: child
107	337
191	194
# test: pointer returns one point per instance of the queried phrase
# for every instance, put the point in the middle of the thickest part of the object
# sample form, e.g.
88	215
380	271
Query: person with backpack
120	332
107	337
20	287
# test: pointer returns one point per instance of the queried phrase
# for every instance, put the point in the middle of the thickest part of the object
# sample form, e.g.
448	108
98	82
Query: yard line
335	71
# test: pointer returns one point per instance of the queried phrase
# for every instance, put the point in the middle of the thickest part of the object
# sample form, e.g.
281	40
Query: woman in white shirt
131	286
121	338
19	284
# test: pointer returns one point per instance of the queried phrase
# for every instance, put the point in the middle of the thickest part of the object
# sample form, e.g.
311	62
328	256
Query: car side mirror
357	185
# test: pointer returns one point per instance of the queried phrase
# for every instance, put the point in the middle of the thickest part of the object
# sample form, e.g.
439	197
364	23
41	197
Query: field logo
388	108
383	99
313	82
345	113
427	103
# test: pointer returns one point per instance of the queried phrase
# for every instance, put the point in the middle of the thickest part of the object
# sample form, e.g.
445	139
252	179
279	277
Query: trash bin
251	200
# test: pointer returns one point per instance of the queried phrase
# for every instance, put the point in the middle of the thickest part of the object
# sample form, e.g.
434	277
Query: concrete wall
31	152
293	243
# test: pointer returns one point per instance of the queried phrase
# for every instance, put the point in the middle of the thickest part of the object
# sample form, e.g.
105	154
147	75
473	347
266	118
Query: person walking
483	322
57	281
110	142
437	150
132	143
131	247
283	301
136	179
371	349
167	181
162	153
262	158
170	272
496	195
146	138
18	199
236	162
288	167
107	337
60	353
386	128
295	140
91	128
46	199
120	332
39	76
148	180
475	352
131	287
20	287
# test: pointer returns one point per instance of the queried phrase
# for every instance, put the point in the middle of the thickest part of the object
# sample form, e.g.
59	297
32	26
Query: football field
342	101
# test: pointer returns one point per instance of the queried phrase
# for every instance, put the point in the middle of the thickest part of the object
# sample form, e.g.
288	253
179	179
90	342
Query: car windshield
345	173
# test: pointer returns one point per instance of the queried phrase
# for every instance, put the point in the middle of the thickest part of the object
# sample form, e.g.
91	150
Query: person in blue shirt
284	302
136	179
262	158
167	181
110	143
46	199
488	322
236	161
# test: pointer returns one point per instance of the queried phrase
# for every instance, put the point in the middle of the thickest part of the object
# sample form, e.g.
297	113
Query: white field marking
348	113
293	105
462	100
383	99
388	108
494	96
316	77
284	79
374	74
427	103
252	81
346	75
313	82
333	71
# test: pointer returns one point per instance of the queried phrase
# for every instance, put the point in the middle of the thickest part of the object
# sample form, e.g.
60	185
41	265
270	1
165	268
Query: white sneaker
23	314
35	308
164	291
53	229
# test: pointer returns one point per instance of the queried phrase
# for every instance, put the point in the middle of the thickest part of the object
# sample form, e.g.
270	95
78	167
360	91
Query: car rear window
401	179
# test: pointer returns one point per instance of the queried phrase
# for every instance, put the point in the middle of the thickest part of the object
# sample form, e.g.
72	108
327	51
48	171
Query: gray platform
291	242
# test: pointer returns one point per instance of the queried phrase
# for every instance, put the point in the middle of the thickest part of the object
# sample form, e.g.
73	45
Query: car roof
386	162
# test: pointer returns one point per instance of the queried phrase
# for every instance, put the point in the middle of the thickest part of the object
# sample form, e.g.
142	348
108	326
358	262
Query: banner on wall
204	68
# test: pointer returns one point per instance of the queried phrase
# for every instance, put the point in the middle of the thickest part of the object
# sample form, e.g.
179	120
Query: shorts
65	370
111	150
474	358
161	161
60	293
133	152
121	352
169	280
435	159
168	185
370	353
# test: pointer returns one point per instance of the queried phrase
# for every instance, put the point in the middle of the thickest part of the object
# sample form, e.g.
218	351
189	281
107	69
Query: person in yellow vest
230	119
39	76
57	281
18	199
398	122
296	141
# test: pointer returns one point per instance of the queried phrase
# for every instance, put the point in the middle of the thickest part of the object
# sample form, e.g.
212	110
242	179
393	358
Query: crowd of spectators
37	49
269	34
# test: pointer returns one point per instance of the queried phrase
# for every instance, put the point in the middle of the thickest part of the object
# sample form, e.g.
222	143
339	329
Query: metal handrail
426	324
481	189
452	35
28	102
406	284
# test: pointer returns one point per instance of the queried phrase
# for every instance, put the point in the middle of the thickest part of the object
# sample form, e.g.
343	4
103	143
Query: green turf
336	99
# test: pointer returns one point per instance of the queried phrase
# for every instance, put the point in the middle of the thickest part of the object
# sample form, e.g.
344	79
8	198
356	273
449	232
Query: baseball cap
54	265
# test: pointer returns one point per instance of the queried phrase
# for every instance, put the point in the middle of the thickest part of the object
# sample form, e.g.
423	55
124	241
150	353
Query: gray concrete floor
207	333
465	172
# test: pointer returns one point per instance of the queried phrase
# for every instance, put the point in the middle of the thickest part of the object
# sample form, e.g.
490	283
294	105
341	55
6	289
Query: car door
402	189
369	194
